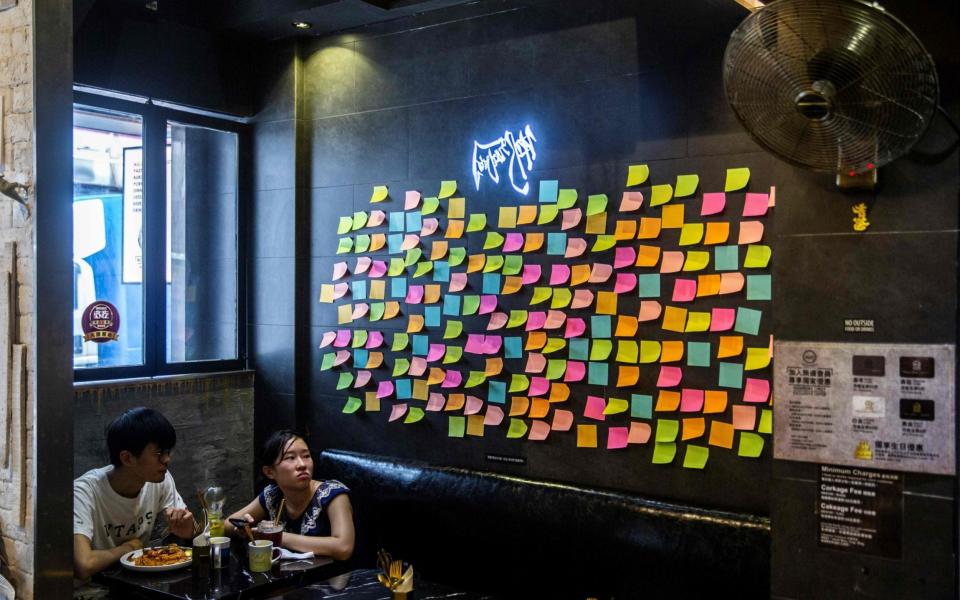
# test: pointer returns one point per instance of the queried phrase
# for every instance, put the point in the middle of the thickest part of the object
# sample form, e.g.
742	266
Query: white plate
127	560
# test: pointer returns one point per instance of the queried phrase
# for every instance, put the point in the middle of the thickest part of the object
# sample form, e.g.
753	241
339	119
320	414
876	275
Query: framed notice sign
132	215
883	406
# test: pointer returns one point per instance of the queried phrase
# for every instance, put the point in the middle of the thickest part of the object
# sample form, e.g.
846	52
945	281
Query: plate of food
158	558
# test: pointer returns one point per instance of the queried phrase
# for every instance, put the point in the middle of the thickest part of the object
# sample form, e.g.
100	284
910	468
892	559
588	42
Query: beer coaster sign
101	322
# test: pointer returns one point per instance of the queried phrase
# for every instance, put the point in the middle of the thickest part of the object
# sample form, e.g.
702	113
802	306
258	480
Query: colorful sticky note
477	222
758	287
379	194
637	174
695	457
698	354
686	185
596	204
566	199
586	436
756	391
751	445
660	194
447	189
756	205
758	256
737	179
748	321
631	201
751	232
726	258
548	191
731	375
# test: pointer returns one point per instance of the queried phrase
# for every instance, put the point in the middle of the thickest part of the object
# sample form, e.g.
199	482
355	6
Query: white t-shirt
109	519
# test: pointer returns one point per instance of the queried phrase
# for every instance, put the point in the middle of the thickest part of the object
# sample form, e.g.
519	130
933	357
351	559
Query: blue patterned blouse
313	521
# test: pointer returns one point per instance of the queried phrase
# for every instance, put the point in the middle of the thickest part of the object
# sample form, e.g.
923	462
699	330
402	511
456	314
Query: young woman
317	516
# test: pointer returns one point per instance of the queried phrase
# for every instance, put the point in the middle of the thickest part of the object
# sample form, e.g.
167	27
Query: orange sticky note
606	303
717	232
374	360
519	406
674	319
475	262
539	407
587	436
431	293
494	367
672	216
668	401
415	323
721	434
647	256
627	376
671	351
438	250
559	392
454	229
730	345
626	326
511	284
533	242
420	389
625	230
377	241
455	402
475	425
536	340
579	274
508	217
649	228
597	223
392	310
693	428
714	401
708	285
437	375
751	232
526	215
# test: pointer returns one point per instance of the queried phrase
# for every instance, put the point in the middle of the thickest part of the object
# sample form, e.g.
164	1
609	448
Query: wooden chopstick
276	520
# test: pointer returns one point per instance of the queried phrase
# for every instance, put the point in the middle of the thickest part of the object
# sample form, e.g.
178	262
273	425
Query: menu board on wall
860	510
886	406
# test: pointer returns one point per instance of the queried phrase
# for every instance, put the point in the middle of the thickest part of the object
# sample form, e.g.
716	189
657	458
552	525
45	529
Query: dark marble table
362	584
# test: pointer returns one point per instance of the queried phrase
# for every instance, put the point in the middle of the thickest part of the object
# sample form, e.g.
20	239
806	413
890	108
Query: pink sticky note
343	338
531	274
452	379
617	437
436	402
360	310
340	290
363	263
539	430
649	310
594	408
600	273
575	247
474	343
559	274
418	366
374	340
339	270
327	339
379	268
562	420
474	405
691	400
555	319
669	376
436	352
411	200
539	386
744	417
492	344
713	203
571	218
410	241
493	416
488	304
415	294
363	378
631	201
625	283
624	257
497	321
535	320
721	319
342	357
458	282
582	299
376	218
536	363
671	261
639	433
576	371
397	412
751	232
384	389
684	290
429	226
756	205
575	327
513	242
756	390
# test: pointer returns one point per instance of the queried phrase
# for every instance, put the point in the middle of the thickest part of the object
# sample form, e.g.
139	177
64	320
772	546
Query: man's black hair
136	428
277	444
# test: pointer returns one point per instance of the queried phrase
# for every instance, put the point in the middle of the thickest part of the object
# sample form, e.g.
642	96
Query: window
157	245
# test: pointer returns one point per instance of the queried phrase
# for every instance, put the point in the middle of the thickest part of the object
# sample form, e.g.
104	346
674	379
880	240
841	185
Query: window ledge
245	374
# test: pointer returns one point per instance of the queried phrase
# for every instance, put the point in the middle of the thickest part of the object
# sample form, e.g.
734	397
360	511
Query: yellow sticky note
586	436
377	241
758	256
604	242
508	217
548	212
541	294
326	293
757	358
686	185
691	233
415	324
379	194
660	194
457	208
766	421
477	222
615	406
673	216
494	240
378	289
751	445
637	174
344	314
438	250
695	457
649	351
698	321
475	425
696	261
664	453
627	351
597	223
554	344
737	179
561	297
447	189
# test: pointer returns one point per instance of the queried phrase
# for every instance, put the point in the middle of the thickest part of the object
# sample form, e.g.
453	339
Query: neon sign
517	150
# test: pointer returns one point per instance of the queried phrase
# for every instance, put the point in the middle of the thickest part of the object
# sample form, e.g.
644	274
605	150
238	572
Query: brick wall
16	232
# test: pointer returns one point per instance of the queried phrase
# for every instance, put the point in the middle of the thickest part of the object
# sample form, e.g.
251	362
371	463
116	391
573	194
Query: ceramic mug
261	555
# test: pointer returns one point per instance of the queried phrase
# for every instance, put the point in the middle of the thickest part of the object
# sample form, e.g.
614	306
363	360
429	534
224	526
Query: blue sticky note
600	326
431	316
556	244
731	375
404	389
549	190
394	243
758	287
641	406
512	347
748	321
598	373
421	345
497	392
726	258
396	221
698	354
649	285
360	357
491	283
398	287
358	289
451	305
441	271
414	222
579	348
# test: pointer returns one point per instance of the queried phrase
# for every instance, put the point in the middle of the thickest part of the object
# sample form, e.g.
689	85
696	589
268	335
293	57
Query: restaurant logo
100	322
517	151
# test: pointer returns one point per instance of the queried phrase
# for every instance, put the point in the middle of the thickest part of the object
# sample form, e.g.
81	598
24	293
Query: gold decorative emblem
860	222
863	451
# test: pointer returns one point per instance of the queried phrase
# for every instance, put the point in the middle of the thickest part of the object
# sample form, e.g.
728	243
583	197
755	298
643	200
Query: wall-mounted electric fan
834	85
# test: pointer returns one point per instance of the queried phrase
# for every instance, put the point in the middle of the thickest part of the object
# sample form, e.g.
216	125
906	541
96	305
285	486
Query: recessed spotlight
302	25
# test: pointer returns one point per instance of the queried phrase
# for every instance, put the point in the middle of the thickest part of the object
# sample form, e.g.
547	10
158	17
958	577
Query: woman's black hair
136	428
277	444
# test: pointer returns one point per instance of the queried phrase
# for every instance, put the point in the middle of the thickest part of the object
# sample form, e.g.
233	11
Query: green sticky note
412	256
363	243
493	263
748	321
414	414
453	354
376	311
513	264
566	199
637	174
548	212
456	256
400	367
517	429
667	430
737	179
454	329
660	194
518	382
447	189
751	444
598	373
649	285
731	375
663	454
475	378
696	457
517	318
400	341
345	245
556	368
352	405
430	206
596	204
726	258
345	380
686	185
641	406
423	268
477	222
456	426
561	297
601	349
494	240
698	354
471	304
359	220
758	256
766	421
346	223
758	287
396	267
541	294
327	363
359	338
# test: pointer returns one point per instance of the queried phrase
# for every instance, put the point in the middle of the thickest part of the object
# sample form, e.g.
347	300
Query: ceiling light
302	25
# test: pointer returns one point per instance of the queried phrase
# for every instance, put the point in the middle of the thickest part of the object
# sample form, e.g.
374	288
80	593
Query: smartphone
238	523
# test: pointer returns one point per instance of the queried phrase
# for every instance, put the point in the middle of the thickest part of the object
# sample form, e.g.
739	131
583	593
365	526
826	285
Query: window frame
154	133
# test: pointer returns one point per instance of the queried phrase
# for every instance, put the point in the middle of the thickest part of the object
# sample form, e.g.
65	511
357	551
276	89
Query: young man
117	507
